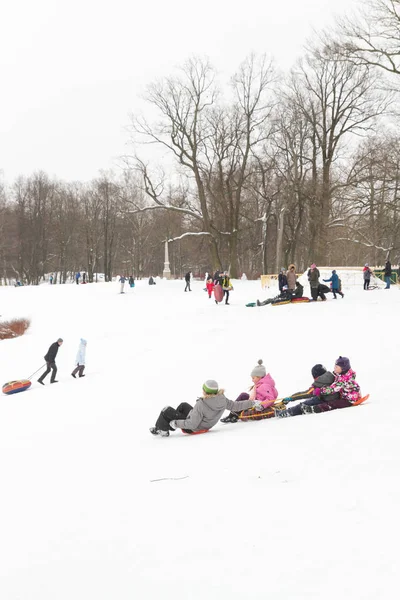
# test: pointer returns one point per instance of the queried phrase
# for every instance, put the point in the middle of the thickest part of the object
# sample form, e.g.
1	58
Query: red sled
195	432
361	400
13	387
218	293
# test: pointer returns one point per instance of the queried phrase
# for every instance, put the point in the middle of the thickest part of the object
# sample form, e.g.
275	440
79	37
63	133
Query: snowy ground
298	508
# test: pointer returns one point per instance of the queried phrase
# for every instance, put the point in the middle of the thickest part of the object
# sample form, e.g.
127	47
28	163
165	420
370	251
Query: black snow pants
173	414
51	366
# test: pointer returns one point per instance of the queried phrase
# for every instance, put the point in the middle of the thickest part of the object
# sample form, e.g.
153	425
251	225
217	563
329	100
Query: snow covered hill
94	507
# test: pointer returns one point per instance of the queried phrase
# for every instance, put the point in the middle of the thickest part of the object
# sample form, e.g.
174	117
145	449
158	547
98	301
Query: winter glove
173	425
317	392
258	405
286	400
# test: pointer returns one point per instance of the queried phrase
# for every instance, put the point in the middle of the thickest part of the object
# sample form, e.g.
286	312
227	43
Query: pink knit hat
313	266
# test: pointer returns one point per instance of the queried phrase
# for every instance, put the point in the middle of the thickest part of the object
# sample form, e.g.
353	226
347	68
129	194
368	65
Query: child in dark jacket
204	415
313	396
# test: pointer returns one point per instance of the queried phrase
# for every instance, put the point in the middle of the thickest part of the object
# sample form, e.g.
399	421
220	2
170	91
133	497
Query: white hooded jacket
81	355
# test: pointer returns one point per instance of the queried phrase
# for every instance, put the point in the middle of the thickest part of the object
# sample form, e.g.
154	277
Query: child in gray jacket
205	413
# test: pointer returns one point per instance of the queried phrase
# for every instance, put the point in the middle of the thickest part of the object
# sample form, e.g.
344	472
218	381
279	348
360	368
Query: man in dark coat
187	279
388	273
50	359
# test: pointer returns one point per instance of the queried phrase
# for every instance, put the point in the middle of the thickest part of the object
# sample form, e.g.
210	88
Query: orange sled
361	400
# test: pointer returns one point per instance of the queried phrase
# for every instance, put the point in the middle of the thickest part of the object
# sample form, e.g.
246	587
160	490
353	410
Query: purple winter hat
344	363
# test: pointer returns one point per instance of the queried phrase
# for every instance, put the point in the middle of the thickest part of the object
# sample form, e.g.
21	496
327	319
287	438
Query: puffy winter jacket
335	281
313	277
346	384
291	278
266	390
81	354
208	410
367	273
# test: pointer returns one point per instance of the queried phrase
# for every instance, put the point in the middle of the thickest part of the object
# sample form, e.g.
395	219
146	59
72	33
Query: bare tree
337	99
372	37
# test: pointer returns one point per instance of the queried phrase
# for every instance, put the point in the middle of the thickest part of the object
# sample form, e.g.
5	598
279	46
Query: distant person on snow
122	280
51	279
299	291
282	279
77	276
285	294
262	390
335	289
367	276
203	416
210	287
131	281
187	279
388	274
218	277
50	359
151	281
226	286
80	359
84	277
313	278
291	277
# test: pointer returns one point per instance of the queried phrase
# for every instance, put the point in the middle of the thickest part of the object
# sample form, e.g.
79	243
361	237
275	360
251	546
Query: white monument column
166	271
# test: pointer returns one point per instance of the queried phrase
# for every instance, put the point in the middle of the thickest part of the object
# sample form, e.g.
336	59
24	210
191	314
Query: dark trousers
187	286
387	279
172	414
336	291
314	293
79	368
51	366
366	283
226	292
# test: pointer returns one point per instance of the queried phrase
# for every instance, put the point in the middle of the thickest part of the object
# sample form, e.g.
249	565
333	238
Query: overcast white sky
72	71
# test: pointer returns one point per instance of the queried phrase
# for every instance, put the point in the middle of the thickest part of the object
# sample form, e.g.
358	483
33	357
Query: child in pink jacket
263	390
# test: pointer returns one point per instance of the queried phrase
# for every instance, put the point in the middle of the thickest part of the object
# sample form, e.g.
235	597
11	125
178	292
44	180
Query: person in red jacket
210	287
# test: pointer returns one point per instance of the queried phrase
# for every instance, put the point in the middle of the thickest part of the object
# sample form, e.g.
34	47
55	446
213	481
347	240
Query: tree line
274	168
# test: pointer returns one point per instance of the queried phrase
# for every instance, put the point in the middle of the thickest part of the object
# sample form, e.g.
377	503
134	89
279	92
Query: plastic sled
13	387
280	303
195	432
361	400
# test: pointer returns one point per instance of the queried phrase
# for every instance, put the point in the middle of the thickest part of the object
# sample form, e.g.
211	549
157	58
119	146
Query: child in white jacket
80	359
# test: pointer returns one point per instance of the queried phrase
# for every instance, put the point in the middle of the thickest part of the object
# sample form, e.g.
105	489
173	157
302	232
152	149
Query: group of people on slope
221	279
319	290
329	391
123	279
50	358
290	287
387	273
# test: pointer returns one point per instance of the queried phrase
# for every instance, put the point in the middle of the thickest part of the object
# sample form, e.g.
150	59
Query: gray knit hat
60	340
259	370
210	386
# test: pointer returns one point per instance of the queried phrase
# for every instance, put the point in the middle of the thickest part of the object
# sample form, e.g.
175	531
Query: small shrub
14	328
